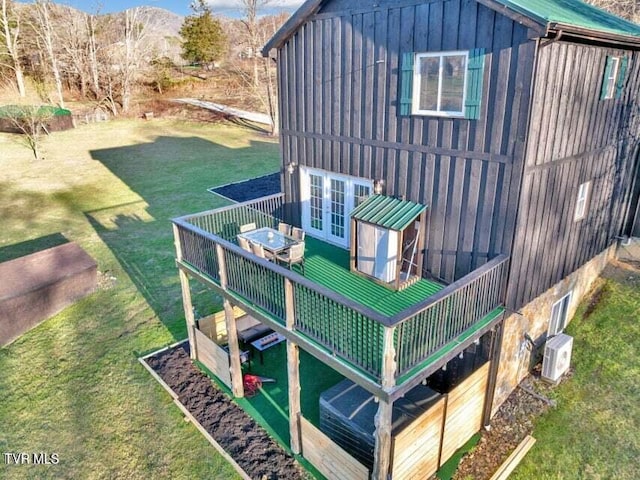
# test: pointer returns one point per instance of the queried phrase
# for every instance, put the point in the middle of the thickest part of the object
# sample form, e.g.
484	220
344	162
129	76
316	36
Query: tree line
105	58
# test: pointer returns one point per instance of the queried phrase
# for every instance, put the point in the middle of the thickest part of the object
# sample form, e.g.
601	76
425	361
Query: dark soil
251	189
240	436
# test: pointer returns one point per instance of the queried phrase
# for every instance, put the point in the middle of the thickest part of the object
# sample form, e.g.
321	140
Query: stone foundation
517	355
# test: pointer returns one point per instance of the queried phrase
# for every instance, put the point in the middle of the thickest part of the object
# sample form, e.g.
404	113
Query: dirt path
240	436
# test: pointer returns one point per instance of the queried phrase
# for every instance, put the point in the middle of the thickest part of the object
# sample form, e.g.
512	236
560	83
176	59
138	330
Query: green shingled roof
573	13
387	212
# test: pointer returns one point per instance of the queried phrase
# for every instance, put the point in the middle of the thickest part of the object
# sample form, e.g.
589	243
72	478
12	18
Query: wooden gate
465	406
431	439
330	459
416	448
212	356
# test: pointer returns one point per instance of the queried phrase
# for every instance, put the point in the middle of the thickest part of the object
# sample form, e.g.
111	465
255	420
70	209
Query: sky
181	7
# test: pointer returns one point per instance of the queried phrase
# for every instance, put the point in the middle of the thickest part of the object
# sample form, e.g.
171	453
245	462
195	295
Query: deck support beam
232	331
382	451
293	372
187	303
188	313
383	418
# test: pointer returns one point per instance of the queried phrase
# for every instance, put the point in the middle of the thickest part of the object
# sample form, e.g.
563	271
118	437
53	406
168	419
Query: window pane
429	68
453	70
316	199
360	194
337	208
611	80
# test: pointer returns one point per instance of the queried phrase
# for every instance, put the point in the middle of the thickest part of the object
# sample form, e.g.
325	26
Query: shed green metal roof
573	13
388	212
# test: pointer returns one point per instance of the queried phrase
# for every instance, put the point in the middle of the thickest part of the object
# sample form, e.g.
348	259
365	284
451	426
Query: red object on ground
251	384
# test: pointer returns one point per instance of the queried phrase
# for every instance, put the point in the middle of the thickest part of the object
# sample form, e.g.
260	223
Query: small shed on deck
387	240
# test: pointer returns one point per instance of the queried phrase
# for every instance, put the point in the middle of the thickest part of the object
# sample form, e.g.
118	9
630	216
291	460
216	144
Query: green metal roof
387	212
573	13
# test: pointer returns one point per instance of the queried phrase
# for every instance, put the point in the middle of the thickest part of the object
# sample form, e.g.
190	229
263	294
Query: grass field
73	386
593	434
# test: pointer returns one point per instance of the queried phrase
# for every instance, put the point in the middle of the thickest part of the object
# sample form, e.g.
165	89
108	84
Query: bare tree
251	9
92	54
10	25
30	122
47	39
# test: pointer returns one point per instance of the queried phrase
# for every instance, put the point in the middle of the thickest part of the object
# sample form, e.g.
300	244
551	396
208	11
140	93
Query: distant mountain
162	31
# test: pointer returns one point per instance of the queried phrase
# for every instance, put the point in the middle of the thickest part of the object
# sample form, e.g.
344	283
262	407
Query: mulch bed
250	189
240	436
509	426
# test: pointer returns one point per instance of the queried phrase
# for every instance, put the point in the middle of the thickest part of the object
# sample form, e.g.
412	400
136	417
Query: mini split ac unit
557	357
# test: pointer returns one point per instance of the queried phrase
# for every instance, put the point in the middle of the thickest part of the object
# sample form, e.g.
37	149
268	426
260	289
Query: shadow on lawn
171	175
17	250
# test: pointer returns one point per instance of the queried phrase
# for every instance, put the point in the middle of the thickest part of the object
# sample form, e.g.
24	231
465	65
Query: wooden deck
378	337
328	265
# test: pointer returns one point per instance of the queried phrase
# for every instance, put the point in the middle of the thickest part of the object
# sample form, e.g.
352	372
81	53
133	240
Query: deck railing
430	325
348	329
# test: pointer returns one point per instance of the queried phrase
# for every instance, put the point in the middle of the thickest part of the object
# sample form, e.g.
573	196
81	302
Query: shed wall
339	91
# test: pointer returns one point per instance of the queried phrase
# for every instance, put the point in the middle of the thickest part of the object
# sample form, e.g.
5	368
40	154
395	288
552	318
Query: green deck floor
328	266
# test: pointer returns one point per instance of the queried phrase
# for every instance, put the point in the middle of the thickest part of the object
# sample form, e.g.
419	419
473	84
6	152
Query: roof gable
571	15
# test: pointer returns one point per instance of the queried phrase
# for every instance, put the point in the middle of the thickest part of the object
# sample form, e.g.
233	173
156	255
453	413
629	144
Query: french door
327	199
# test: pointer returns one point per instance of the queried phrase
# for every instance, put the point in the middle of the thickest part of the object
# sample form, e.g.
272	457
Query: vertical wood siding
574	137
339	87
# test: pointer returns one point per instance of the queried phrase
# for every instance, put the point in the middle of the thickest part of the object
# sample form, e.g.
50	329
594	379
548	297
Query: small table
271	239
266	342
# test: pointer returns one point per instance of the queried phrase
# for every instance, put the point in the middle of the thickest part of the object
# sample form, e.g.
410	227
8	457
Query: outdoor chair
259	251
247	227
244	244
293	256
298	234
284	228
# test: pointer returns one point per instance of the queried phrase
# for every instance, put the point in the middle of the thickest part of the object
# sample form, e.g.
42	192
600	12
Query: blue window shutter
475	78
622	70
605	81
406	83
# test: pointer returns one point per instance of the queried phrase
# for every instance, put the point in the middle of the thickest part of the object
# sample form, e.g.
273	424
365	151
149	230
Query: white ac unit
557	357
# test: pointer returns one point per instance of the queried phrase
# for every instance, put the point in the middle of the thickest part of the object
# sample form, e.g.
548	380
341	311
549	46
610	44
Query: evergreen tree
204	40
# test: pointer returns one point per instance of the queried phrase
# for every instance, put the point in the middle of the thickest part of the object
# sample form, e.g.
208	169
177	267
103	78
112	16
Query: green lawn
73	385
593	434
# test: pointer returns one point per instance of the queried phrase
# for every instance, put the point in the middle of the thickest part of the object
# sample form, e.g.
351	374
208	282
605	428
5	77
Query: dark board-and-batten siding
574	137
339	90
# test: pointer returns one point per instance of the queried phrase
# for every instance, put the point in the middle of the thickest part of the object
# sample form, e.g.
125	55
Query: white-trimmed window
613	80
611	73
439	83
444	84
581	203
559	314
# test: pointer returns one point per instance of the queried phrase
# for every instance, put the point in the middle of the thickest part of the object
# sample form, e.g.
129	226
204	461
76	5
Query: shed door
377	251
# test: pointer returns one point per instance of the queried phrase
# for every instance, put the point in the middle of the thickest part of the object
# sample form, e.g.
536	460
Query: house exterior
515	123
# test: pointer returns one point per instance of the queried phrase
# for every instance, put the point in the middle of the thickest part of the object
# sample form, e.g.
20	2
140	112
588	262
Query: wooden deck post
382	451
186	297
232	331
188	313
293	372
494	358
